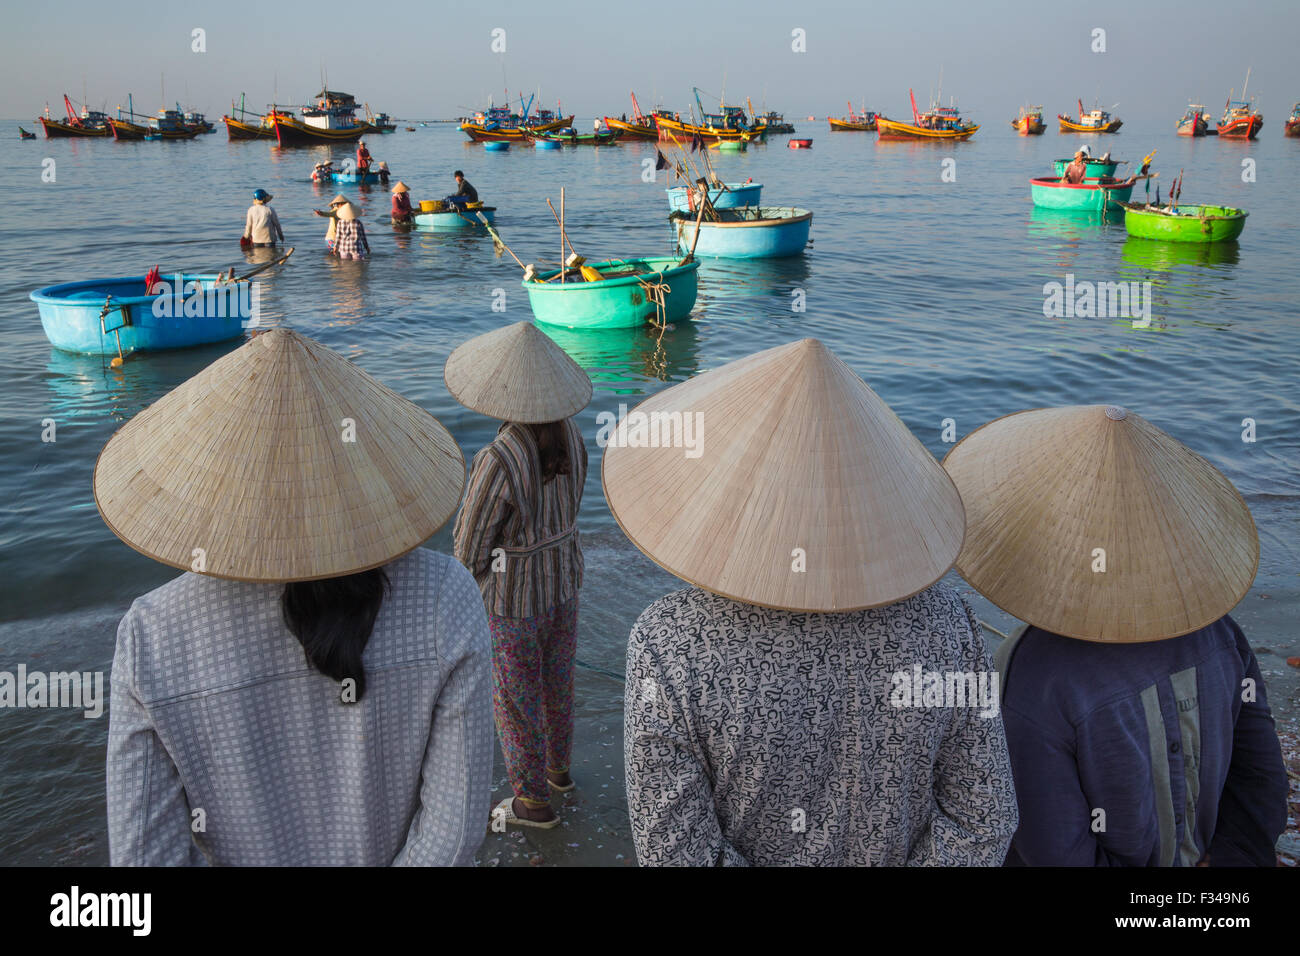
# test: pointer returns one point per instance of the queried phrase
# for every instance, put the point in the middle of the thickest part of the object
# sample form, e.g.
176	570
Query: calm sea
927	277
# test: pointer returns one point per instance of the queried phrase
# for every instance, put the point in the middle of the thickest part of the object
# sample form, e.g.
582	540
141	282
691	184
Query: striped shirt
518	535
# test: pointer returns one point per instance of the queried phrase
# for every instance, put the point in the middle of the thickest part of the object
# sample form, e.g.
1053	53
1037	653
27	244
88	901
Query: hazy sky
434	60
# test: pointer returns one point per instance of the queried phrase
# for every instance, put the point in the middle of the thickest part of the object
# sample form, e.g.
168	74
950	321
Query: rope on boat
656	292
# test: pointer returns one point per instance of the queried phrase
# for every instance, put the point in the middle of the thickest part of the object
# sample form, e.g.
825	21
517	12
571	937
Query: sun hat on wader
1090	522
281	461
517	374
803	491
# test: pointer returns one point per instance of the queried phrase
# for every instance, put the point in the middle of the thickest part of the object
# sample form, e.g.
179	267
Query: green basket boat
1185	224
620	301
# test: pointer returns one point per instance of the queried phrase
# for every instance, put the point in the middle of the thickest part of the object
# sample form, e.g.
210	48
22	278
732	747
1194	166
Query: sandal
557	788
505	810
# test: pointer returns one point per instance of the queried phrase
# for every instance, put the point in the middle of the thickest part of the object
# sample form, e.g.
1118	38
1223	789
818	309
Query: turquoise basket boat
546	144
1097	195
1093	167
1185	224
619	302
496	146
455	219
733	195
98	316
354	178
750	233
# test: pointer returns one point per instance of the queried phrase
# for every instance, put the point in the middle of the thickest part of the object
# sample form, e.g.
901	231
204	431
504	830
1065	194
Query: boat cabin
1095	118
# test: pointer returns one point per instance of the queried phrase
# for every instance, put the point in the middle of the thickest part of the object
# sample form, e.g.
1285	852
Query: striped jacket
1154	754
518	536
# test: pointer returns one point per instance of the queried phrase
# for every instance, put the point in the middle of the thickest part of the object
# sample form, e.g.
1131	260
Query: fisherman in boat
736	682
1135	710
333	216
261	224
1076	172
363	159
465	193
518	535
403	214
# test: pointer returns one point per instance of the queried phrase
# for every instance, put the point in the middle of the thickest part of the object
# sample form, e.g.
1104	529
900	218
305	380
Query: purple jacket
1148	754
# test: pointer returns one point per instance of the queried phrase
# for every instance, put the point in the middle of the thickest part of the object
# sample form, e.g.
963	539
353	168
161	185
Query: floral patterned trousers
532	695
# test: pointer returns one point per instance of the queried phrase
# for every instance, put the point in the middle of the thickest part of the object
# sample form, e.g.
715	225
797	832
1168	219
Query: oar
261	268
564	235
498	240
690	256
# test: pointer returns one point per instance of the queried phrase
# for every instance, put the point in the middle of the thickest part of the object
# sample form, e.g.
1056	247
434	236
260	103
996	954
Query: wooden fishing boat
1194	122
726	196
936	123
196	121
116	316
499	124
1093	121
571	137
444	218
800	144
242	128
627	130
1240	121
1190	223
864	122
1094	167
1030	121
675	131
773	122
86	123
1292	127
629	295
332	119
23	134
168	124
1099	194
746	233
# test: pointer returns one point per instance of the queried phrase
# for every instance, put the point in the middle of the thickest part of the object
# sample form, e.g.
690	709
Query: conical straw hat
339	200
1045	489
517	374
797	461
250	461
400	187
347	212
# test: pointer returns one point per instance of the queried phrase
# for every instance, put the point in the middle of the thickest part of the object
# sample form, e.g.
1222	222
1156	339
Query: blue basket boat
546	144
448	219
747	233
728	196
496	146
105	316
355	178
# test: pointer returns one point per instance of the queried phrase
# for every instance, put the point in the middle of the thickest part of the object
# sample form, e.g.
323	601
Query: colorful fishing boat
936	123
241	127
117	316
167	124
1093	121
1292	127
571	137
750	232
196	121
640	126
1030	121
1184	223
630	293
1194	122
86	123
861	121
23	134
331	120
676	131
1099	194
1093	167
726	196
1240	121
500	124
444	218
773	122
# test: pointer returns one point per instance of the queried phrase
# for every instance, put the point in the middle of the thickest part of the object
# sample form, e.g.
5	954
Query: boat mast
1243	89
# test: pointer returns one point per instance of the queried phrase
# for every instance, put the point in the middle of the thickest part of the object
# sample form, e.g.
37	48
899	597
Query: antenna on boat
1243	89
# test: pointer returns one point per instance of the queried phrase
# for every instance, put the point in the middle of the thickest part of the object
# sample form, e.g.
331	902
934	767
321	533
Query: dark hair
458	173
552	449
332	620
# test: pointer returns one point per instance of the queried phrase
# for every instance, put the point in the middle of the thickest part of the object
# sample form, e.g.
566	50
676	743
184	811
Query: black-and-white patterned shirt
767	737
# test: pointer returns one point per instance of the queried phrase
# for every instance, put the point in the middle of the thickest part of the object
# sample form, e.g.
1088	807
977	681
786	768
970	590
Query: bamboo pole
563	267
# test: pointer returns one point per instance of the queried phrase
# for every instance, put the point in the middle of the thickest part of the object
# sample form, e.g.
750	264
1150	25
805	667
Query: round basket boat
625	298
1185	223
747	233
